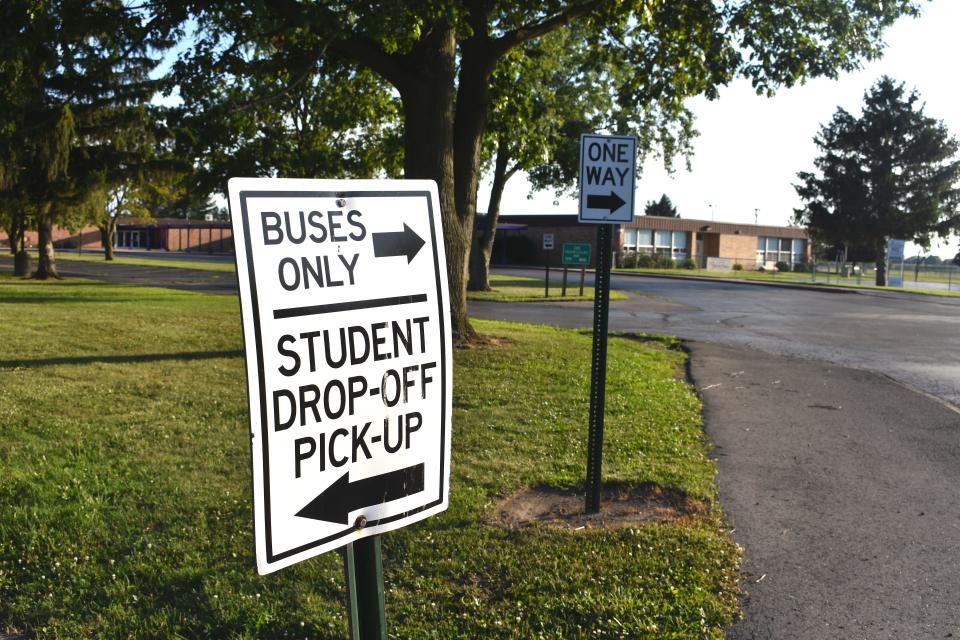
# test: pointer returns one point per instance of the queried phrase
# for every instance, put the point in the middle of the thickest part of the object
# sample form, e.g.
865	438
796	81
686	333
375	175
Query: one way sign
343	293
608	166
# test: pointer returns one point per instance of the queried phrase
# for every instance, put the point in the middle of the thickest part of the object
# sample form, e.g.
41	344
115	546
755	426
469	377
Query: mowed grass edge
522	289
167	263
125	497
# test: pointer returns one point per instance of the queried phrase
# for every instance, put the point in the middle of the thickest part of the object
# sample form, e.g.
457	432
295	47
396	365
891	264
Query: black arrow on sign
611	202
336	502
397	243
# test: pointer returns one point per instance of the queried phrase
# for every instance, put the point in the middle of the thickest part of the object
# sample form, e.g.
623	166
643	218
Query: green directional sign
576	253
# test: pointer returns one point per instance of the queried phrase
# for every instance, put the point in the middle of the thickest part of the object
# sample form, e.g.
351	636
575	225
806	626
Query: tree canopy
437	57
544	95
892	172
662	207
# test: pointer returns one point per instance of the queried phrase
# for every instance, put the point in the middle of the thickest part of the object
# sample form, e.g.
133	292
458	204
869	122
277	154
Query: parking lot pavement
173	278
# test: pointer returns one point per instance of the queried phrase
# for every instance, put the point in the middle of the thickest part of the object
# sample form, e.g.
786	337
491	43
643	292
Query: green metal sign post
608	169
598	376
363	567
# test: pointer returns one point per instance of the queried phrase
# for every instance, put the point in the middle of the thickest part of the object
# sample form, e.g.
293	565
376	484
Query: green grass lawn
125	494
520	289
119	258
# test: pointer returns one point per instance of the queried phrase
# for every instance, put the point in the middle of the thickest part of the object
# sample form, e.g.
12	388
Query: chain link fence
918	276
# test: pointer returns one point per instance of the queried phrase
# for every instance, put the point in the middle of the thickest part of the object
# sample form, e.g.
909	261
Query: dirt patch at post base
620	506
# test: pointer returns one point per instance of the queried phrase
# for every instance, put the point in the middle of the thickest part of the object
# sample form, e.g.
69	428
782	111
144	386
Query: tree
925	260
540	96
14	217
191	205
891	173
549	92
662	207
138	197
439	58
73	107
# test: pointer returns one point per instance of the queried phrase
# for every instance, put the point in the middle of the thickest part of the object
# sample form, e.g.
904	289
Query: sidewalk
840	485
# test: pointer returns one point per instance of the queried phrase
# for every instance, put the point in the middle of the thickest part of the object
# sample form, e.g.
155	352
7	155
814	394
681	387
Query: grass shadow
121	359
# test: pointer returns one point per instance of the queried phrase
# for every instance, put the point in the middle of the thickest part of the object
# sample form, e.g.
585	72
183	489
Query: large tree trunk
483	244
428	106
472	106
18	245
881	263
46	260
12	236
106	238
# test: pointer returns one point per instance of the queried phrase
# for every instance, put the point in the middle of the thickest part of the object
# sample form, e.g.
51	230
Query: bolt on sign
343	293
608	169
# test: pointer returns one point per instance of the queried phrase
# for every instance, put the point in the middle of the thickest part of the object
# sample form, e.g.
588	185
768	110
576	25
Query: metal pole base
598	377
364	570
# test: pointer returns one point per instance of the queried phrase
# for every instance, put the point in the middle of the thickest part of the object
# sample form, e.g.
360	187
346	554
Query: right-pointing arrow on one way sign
397	243
611	202
335	503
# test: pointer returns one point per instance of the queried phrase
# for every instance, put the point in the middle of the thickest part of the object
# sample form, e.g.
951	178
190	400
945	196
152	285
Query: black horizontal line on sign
316	309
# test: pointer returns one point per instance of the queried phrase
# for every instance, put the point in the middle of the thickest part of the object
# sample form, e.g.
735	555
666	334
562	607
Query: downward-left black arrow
397	243
336	502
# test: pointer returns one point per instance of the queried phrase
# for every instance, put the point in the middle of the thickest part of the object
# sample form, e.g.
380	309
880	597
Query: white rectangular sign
895	250
547	241
608	169
344	299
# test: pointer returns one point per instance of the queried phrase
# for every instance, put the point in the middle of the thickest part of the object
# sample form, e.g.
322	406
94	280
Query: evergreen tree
74	111
191	205
891	173
662	207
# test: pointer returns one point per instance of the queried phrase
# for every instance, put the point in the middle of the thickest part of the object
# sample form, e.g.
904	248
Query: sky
751	147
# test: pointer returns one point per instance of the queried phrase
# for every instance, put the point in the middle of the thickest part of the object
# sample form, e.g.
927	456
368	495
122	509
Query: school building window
789	250
670	244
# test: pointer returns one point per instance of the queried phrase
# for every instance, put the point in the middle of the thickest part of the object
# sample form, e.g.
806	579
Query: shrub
630	260
665	262
739	267
646	261
801	267
783	266
688	263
